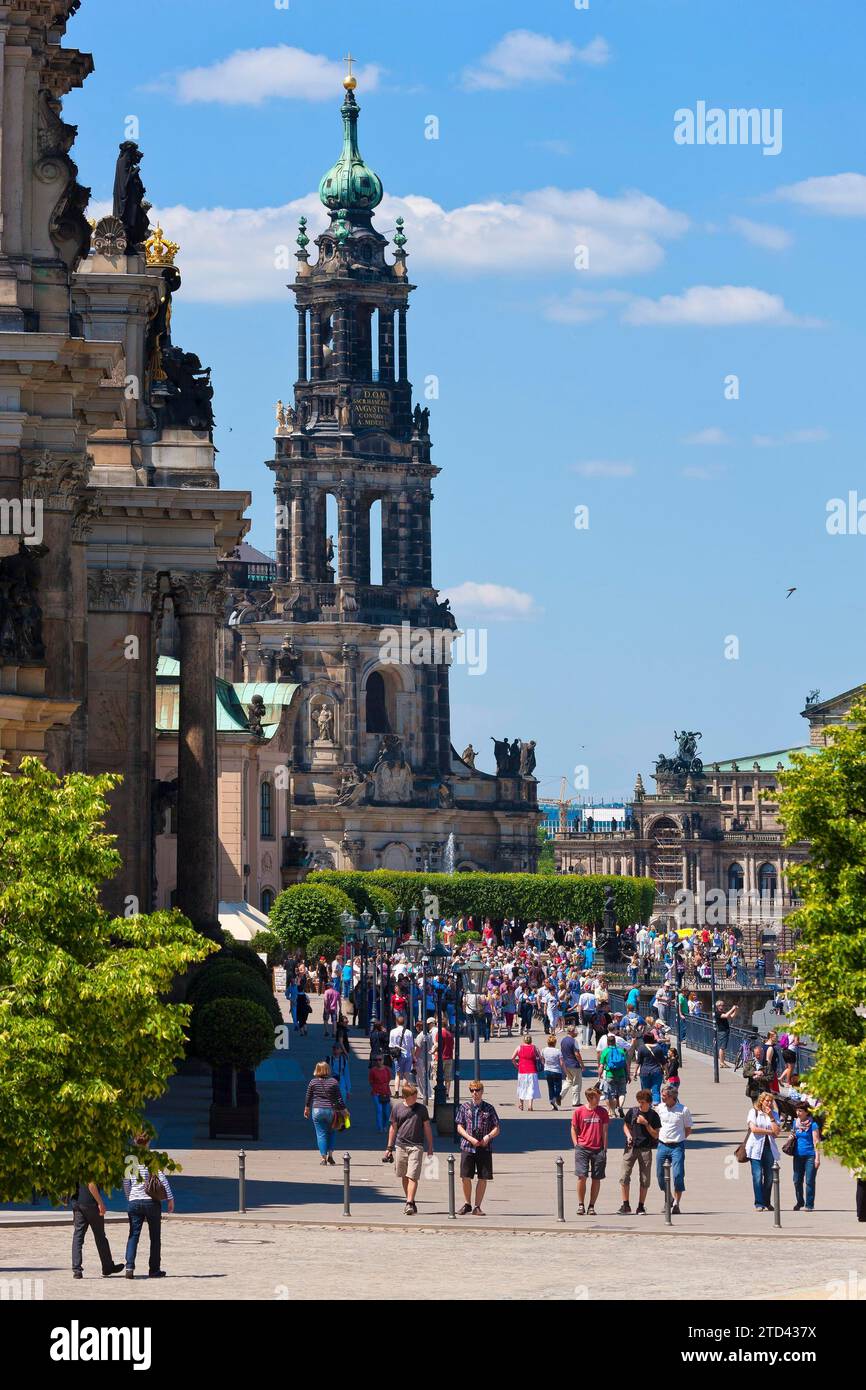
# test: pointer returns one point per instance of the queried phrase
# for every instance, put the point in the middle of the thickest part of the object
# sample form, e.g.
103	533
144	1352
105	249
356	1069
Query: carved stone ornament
109	237
198	591
109	589
85	516
57	482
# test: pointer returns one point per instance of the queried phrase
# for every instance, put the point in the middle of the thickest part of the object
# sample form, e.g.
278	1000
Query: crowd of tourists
547	988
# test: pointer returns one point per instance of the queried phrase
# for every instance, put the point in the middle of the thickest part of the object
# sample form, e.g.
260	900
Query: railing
698	1034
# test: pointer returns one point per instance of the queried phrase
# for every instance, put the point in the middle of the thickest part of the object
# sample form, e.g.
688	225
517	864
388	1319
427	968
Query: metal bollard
560	1191
668	1198
777	1199
452	1205
242	1181
347	1184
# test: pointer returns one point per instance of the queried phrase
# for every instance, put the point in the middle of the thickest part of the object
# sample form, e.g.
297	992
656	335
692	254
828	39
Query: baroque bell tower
376	781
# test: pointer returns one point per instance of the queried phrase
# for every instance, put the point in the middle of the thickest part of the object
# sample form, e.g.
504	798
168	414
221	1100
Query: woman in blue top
807	1156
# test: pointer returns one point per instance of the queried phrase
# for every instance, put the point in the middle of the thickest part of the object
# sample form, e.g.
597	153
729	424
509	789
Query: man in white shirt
676	1127
586	1010
402	1048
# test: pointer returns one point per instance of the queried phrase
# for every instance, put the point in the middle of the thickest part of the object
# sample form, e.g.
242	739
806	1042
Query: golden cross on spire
350	81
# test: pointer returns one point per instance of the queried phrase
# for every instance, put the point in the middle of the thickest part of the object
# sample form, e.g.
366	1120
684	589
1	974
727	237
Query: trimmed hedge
234	981
272	946
244	953
232	1032
327	946
545	897
306	910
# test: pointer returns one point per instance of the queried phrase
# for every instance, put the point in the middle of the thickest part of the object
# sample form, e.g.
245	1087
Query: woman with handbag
529	1062
145	1194
804	1146
762	1150
324	1103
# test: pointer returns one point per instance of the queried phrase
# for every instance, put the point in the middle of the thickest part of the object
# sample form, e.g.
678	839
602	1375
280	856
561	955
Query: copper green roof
232	701
350	185
767	762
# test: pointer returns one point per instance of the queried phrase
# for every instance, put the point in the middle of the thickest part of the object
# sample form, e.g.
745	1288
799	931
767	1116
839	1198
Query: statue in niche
20	613
469	755
527	758
392	775
324	723
329	553
344	411
130	205
327	346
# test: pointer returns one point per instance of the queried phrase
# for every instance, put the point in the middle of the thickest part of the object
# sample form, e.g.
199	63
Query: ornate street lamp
437	958
472	976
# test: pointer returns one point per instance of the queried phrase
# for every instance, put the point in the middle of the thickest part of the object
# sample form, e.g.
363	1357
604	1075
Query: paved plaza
294	1229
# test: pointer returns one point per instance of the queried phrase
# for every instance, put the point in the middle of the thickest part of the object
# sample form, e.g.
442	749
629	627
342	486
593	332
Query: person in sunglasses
478	1125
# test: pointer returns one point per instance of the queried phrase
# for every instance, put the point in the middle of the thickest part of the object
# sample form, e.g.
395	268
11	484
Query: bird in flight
791	591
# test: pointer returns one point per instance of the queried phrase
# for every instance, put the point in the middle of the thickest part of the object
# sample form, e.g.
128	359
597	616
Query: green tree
823	800
546	858
86	1039
306	910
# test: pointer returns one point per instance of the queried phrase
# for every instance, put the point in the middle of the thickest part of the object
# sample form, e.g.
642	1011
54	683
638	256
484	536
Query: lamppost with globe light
351	935
472	976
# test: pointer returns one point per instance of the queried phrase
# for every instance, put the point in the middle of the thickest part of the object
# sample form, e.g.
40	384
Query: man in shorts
478	1125
409	1135
589	1125
642	1127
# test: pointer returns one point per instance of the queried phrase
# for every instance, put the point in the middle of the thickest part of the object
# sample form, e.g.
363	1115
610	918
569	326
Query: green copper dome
351	185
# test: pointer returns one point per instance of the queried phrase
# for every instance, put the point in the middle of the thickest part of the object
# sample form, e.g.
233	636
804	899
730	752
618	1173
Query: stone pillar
341	341
283	532
56	483
302	344
416	540
300	563
444	720
431	717
315	344
386	344
401	331
198	600
390	539
349	740
346	537
425	576
404	537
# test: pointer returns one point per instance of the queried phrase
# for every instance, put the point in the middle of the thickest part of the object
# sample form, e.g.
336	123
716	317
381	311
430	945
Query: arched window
266	828
735	878
377	705
767	880
267	900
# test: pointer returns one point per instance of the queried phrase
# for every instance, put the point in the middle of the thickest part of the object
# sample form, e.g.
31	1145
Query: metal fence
697	1033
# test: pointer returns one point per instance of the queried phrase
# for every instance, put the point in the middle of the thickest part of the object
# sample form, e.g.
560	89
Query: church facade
376	780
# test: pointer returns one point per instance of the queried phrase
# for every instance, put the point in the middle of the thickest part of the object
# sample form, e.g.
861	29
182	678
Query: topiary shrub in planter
235	981
327	946
234	1036
306	910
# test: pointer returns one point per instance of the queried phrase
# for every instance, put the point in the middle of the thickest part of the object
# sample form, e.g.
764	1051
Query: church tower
376	781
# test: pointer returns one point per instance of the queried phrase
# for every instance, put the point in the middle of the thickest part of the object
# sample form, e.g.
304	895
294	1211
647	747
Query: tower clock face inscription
372	410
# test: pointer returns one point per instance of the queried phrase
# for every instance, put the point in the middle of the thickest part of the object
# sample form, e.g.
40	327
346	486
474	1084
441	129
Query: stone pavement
295	1206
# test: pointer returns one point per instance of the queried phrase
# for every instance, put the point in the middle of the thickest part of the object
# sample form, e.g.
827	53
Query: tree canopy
823	800
86	1040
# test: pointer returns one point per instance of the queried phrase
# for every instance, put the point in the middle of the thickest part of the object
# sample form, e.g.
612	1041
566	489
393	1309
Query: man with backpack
401	1046
613	1064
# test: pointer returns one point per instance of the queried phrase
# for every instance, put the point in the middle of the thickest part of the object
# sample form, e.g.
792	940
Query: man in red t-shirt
447	1055
589	1125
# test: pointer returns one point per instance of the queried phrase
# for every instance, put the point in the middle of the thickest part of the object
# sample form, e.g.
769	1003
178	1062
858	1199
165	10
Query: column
346	537
302	344
401	331
431	717
444	721
425	576
390	539
300	560
386	344
316	344
198	601
349	739
404	532
341	341
283	532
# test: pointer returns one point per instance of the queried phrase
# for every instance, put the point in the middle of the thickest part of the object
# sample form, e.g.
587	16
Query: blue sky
559	387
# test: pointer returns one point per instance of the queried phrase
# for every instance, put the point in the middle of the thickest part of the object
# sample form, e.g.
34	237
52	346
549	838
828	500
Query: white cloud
493	601
251	76
714	306
762	234
711	435
522	58
229	255
769	441
838	195
601	468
